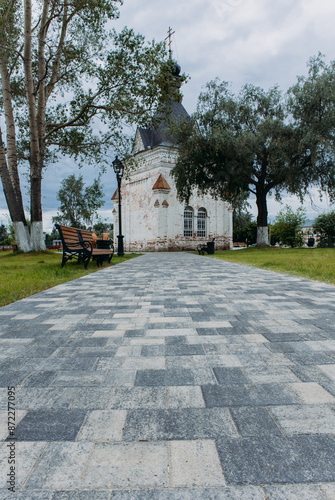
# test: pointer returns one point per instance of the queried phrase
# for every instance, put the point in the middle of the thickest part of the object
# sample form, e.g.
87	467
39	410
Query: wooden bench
209	248
79	244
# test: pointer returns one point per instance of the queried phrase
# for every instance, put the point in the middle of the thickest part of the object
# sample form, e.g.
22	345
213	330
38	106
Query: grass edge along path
23	275
317	264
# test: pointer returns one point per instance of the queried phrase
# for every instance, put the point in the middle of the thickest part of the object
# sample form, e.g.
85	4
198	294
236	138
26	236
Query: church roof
161	183
159	134
115	196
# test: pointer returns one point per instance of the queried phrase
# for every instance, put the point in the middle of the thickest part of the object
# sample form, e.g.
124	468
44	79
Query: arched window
201	223
188	222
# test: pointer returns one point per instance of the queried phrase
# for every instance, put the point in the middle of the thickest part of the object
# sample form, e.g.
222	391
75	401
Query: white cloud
263	42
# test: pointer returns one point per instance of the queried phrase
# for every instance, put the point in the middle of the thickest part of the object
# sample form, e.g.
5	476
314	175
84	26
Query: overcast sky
263	42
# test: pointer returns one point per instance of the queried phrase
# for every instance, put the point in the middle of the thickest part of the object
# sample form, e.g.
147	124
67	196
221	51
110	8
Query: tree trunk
262	217
15	205
8	165
35	119
36	229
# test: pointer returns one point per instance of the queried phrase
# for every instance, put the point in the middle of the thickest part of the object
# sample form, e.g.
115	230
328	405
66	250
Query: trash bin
210	248
105	245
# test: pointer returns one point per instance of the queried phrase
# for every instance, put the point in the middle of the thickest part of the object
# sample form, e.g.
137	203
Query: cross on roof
169	37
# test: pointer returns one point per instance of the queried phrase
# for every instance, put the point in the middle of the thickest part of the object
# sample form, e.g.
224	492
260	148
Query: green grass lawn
313	263
22	275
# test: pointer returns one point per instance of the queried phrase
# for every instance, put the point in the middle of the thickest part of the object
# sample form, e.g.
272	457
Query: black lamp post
119	169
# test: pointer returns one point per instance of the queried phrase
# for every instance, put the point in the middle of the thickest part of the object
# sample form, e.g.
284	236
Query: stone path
171	376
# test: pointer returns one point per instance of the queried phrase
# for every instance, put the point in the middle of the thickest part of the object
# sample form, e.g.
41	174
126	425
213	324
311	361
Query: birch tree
69	86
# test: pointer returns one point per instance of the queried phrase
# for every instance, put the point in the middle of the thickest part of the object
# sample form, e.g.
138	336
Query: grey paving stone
194	463
26	495
119	377
31	398
297	420
87	342
282	337
277	374
60	467
91	398
254	422
39	379
175	340
13	378
127	465
184	397
81	495
173	376
134	333
328	490
305	459
206	331
237	493
310	358
185	362
79	378
184	350
281	347
153	350
50	425
102	426
138	398
247	395
230	376
27	455
294	492
186	423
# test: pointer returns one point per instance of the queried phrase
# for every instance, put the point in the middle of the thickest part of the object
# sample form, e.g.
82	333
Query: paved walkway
171	376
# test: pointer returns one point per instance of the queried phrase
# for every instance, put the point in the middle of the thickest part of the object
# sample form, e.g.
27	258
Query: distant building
152	217
308	232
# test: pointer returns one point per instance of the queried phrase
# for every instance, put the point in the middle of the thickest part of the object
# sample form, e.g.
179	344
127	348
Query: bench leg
64	260
86	261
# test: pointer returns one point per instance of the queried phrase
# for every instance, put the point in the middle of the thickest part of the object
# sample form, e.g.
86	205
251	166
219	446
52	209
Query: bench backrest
87	236
69	236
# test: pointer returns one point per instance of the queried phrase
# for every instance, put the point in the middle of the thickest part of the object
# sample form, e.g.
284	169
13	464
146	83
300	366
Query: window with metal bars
188	222
201	223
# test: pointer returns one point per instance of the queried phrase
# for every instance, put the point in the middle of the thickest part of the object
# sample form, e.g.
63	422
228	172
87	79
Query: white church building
153	219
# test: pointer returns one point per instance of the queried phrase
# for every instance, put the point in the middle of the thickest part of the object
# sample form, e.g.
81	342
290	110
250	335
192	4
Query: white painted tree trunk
262	236
22	236
37	243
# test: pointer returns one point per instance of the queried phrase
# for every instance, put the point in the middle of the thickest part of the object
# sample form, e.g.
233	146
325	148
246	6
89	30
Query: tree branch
55	69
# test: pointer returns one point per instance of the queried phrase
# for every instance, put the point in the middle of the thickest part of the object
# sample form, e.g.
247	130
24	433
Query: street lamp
119	169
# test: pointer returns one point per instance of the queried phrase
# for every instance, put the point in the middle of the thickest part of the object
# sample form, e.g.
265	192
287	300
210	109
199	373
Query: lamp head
118	167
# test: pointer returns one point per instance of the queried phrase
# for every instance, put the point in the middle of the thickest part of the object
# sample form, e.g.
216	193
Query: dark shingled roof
159	135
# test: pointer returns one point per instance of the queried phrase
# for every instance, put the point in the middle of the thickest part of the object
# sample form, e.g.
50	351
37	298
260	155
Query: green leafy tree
49	238
324	229
78	205
255	143
94	199
244	228
3	235
312	105
69	86
288	225
101	227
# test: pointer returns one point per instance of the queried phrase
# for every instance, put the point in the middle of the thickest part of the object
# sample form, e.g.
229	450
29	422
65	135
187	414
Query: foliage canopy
324	228
69	85
261	142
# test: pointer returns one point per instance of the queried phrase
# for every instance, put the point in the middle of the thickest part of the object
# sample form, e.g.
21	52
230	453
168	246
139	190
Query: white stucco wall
154	219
